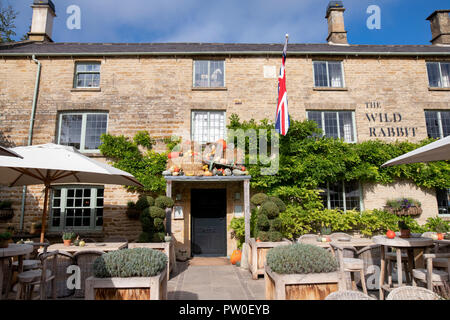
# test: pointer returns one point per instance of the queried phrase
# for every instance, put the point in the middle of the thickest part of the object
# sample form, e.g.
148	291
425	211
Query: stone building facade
380	92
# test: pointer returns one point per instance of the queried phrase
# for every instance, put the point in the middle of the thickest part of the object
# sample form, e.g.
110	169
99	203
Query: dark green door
208	212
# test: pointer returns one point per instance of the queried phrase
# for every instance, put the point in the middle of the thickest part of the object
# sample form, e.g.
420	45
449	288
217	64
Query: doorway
208	226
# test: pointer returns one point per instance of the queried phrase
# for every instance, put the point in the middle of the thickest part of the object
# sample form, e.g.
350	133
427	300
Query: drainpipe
30	132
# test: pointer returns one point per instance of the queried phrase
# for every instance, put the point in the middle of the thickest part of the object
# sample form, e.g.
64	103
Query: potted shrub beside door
301	272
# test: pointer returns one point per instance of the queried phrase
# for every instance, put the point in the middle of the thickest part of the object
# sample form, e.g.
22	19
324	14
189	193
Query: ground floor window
342	195
438	123
77	208
443	199
208	126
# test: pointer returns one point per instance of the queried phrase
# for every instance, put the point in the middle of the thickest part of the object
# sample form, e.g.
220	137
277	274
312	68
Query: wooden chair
391	259
432	277
350	264
63	261
412	293
85	260
348	295
29	279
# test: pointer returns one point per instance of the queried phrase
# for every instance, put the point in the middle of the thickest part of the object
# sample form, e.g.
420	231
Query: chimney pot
42	22
440	27
336	26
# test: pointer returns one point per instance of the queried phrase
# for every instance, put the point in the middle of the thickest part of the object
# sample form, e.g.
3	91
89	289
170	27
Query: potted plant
301	272
405	231
68	237
441	230
4	239
404	207
267	230
128	274
6	210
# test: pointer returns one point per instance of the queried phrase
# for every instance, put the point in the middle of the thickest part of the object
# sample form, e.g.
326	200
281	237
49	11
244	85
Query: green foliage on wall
146	165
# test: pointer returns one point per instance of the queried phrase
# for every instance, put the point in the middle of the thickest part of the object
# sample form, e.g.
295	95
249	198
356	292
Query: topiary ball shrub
300	258
269	209
137	262
263	222
258	199
164	202
280	204
275	236
156	212
263	236
144	202
158	237
144	237
158	223
276	224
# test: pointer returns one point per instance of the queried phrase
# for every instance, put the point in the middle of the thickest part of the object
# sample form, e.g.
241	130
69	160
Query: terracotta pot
440	236
67	242
405	233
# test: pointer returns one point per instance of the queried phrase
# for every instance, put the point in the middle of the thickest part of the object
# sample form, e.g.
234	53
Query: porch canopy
246	179
435	151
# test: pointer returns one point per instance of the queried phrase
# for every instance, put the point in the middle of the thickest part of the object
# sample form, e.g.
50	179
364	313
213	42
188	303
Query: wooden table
414	248
13	250
100	246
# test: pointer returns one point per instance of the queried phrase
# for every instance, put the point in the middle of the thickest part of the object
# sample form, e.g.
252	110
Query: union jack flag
282	119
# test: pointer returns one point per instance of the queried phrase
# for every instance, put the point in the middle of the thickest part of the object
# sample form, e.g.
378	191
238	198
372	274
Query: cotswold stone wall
388	94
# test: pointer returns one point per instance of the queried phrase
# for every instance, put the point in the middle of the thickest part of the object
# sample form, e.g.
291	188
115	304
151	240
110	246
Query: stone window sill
209	89
438	89
329	89
86	90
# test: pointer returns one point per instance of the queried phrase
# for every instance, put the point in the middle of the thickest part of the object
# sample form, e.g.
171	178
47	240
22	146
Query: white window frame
440	74
361	202
75	79
328	74
439	119
83	128
93	207
322	113
209	122
442	214
209	78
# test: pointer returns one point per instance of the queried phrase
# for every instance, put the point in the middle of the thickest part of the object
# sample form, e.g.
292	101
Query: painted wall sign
384	124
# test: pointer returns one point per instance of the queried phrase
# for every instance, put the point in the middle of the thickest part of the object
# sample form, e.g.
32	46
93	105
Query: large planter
312	286
257	255
412	211
134	288
166	247
6	214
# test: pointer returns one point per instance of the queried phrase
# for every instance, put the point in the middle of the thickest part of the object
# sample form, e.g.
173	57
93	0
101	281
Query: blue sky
243	21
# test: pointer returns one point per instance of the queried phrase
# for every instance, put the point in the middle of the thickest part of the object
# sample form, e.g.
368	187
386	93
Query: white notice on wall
270	72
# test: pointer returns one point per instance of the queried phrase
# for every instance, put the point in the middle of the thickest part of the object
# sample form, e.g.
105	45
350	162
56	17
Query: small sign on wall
178	212
238	212
270	72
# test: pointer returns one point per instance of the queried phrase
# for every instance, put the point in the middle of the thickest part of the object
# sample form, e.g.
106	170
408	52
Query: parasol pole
44	215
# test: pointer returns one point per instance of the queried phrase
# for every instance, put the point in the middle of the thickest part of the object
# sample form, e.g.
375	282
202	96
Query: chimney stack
42	22
440	27
336	27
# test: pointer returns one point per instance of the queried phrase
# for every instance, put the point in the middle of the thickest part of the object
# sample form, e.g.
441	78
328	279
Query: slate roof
63	48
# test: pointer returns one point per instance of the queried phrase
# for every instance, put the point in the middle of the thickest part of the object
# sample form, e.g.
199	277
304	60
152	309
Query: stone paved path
224	282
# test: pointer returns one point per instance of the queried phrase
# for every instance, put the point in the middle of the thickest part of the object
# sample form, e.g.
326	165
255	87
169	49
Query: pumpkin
235	256
223	143
390	234
173	155
440	236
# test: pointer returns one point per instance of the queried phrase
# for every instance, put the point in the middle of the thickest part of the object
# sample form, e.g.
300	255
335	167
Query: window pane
201	77
431	118
335	78
71	130
331	129
346	126
317	117
324	196
352	196
95	127
433	74
208	126
217	72
320	74
445	71
336	196
445	119
443	199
